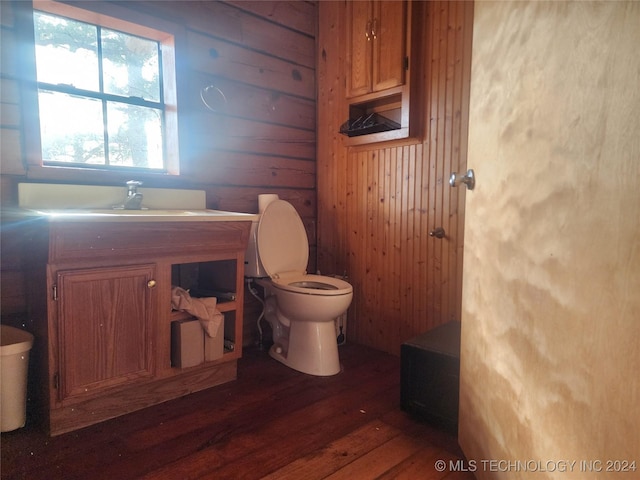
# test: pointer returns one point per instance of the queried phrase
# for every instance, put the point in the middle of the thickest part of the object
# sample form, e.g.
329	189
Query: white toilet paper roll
265	199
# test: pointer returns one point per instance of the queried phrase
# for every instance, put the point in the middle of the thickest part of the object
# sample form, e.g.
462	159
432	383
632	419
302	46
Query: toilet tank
252	265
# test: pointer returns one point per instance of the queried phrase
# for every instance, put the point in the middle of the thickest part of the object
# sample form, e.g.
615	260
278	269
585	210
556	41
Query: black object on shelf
366	124
221	295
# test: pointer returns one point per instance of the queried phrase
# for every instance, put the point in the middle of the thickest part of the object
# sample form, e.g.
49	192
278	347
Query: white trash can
15	345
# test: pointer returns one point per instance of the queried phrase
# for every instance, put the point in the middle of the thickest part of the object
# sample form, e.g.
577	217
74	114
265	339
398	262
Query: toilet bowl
301	308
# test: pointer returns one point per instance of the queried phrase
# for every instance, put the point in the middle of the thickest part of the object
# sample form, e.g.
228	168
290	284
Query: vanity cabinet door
105	328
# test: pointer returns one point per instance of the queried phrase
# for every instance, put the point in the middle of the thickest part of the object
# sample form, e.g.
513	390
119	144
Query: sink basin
151	215
93	203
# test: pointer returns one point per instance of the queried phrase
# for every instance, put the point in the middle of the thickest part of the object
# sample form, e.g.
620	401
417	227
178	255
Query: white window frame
104	15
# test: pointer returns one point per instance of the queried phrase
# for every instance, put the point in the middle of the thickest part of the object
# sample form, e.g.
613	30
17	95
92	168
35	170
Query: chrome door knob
468	179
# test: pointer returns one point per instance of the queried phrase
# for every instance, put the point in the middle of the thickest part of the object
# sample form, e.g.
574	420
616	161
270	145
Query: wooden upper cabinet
389	45
376	46
359	58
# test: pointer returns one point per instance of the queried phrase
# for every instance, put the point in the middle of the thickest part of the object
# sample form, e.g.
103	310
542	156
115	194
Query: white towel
204	309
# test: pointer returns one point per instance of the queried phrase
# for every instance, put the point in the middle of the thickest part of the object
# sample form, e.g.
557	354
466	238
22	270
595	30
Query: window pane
66	52
71	128
135	136
130	65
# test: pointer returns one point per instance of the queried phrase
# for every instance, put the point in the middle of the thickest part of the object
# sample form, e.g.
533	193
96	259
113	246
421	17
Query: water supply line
254	292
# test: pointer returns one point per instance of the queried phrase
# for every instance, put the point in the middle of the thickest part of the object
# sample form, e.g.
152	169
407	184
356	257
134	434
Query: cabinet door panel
359	45
389	27
105	328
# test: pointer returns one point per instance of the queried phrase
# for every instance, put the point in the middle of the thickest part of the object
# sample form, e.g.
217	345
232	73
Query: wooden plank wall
377	203
261	54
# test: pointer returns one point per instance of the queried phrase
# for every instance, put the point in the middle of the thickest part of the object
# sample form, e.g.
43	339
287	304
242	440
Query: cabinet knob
151	283
367	31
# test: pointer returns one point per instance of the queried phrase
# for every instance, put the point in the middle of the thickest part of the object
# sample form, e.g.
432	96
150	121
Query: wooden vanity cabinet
105	312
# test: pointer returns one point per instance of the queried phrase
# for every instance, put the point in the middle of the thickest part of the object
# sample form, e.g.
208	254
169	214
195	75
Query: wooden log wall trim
378	203
296	15
290	36
222	132
216	57
256	103
262	139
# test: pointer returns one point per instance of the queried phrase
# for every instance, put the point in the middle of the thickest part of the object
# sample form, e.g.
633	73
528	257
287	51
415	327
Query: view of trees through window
100	95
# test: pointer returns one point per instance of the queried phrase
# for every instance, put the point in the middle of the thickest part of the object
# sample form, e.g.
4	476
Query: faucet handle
133	185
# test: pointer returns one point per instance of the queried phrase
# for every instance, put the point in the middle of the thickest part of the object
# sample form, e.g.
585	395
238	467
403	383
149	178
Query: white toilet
301	308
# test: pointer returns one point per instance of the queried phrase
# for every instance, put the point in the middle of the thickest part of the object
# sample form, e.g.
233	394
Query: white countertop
109	215
95	203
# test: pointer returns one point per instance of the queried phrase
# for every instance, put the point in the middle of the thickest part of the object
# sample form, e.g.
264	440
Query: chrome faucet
134	198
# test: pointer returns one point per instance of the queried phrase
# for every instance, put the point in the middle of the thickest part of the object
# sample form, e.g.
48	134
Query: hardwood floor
273	422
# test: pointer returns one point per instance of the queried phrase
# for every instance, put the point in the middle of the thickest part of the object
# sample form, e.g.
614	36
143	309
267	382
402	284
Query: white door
550	359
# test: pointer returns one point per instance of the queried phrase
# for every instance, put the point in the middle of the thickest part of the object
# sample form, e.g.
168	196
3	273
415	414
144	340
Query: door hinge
406	63
56	380
55	292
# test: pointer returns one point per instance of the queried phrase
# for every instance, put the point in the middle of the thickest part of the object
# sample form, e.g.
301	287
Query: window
106	97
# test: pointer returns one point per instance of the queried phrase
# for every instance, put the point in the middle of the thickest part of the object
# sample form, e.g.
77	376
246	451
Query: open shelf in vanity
207	285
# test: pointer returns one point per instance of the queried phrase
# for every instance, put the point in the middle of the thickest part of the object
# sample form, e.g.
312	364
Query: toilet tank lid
282	239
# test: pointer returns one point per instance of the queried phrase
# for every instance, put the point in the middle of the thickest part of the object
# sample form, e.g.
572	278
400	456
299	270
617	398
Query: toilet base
312	348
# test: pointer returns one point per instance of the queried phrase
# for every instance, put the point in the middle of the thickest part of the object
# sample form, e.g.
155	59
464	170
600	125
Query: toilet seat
312	285
284	251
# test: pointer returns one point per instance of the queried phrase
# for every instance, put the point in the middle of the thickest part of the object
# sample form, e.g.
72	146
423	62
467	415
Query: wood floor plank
334	456
460	475
273	422
379	460
430	434
295	435
422	464
219	442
